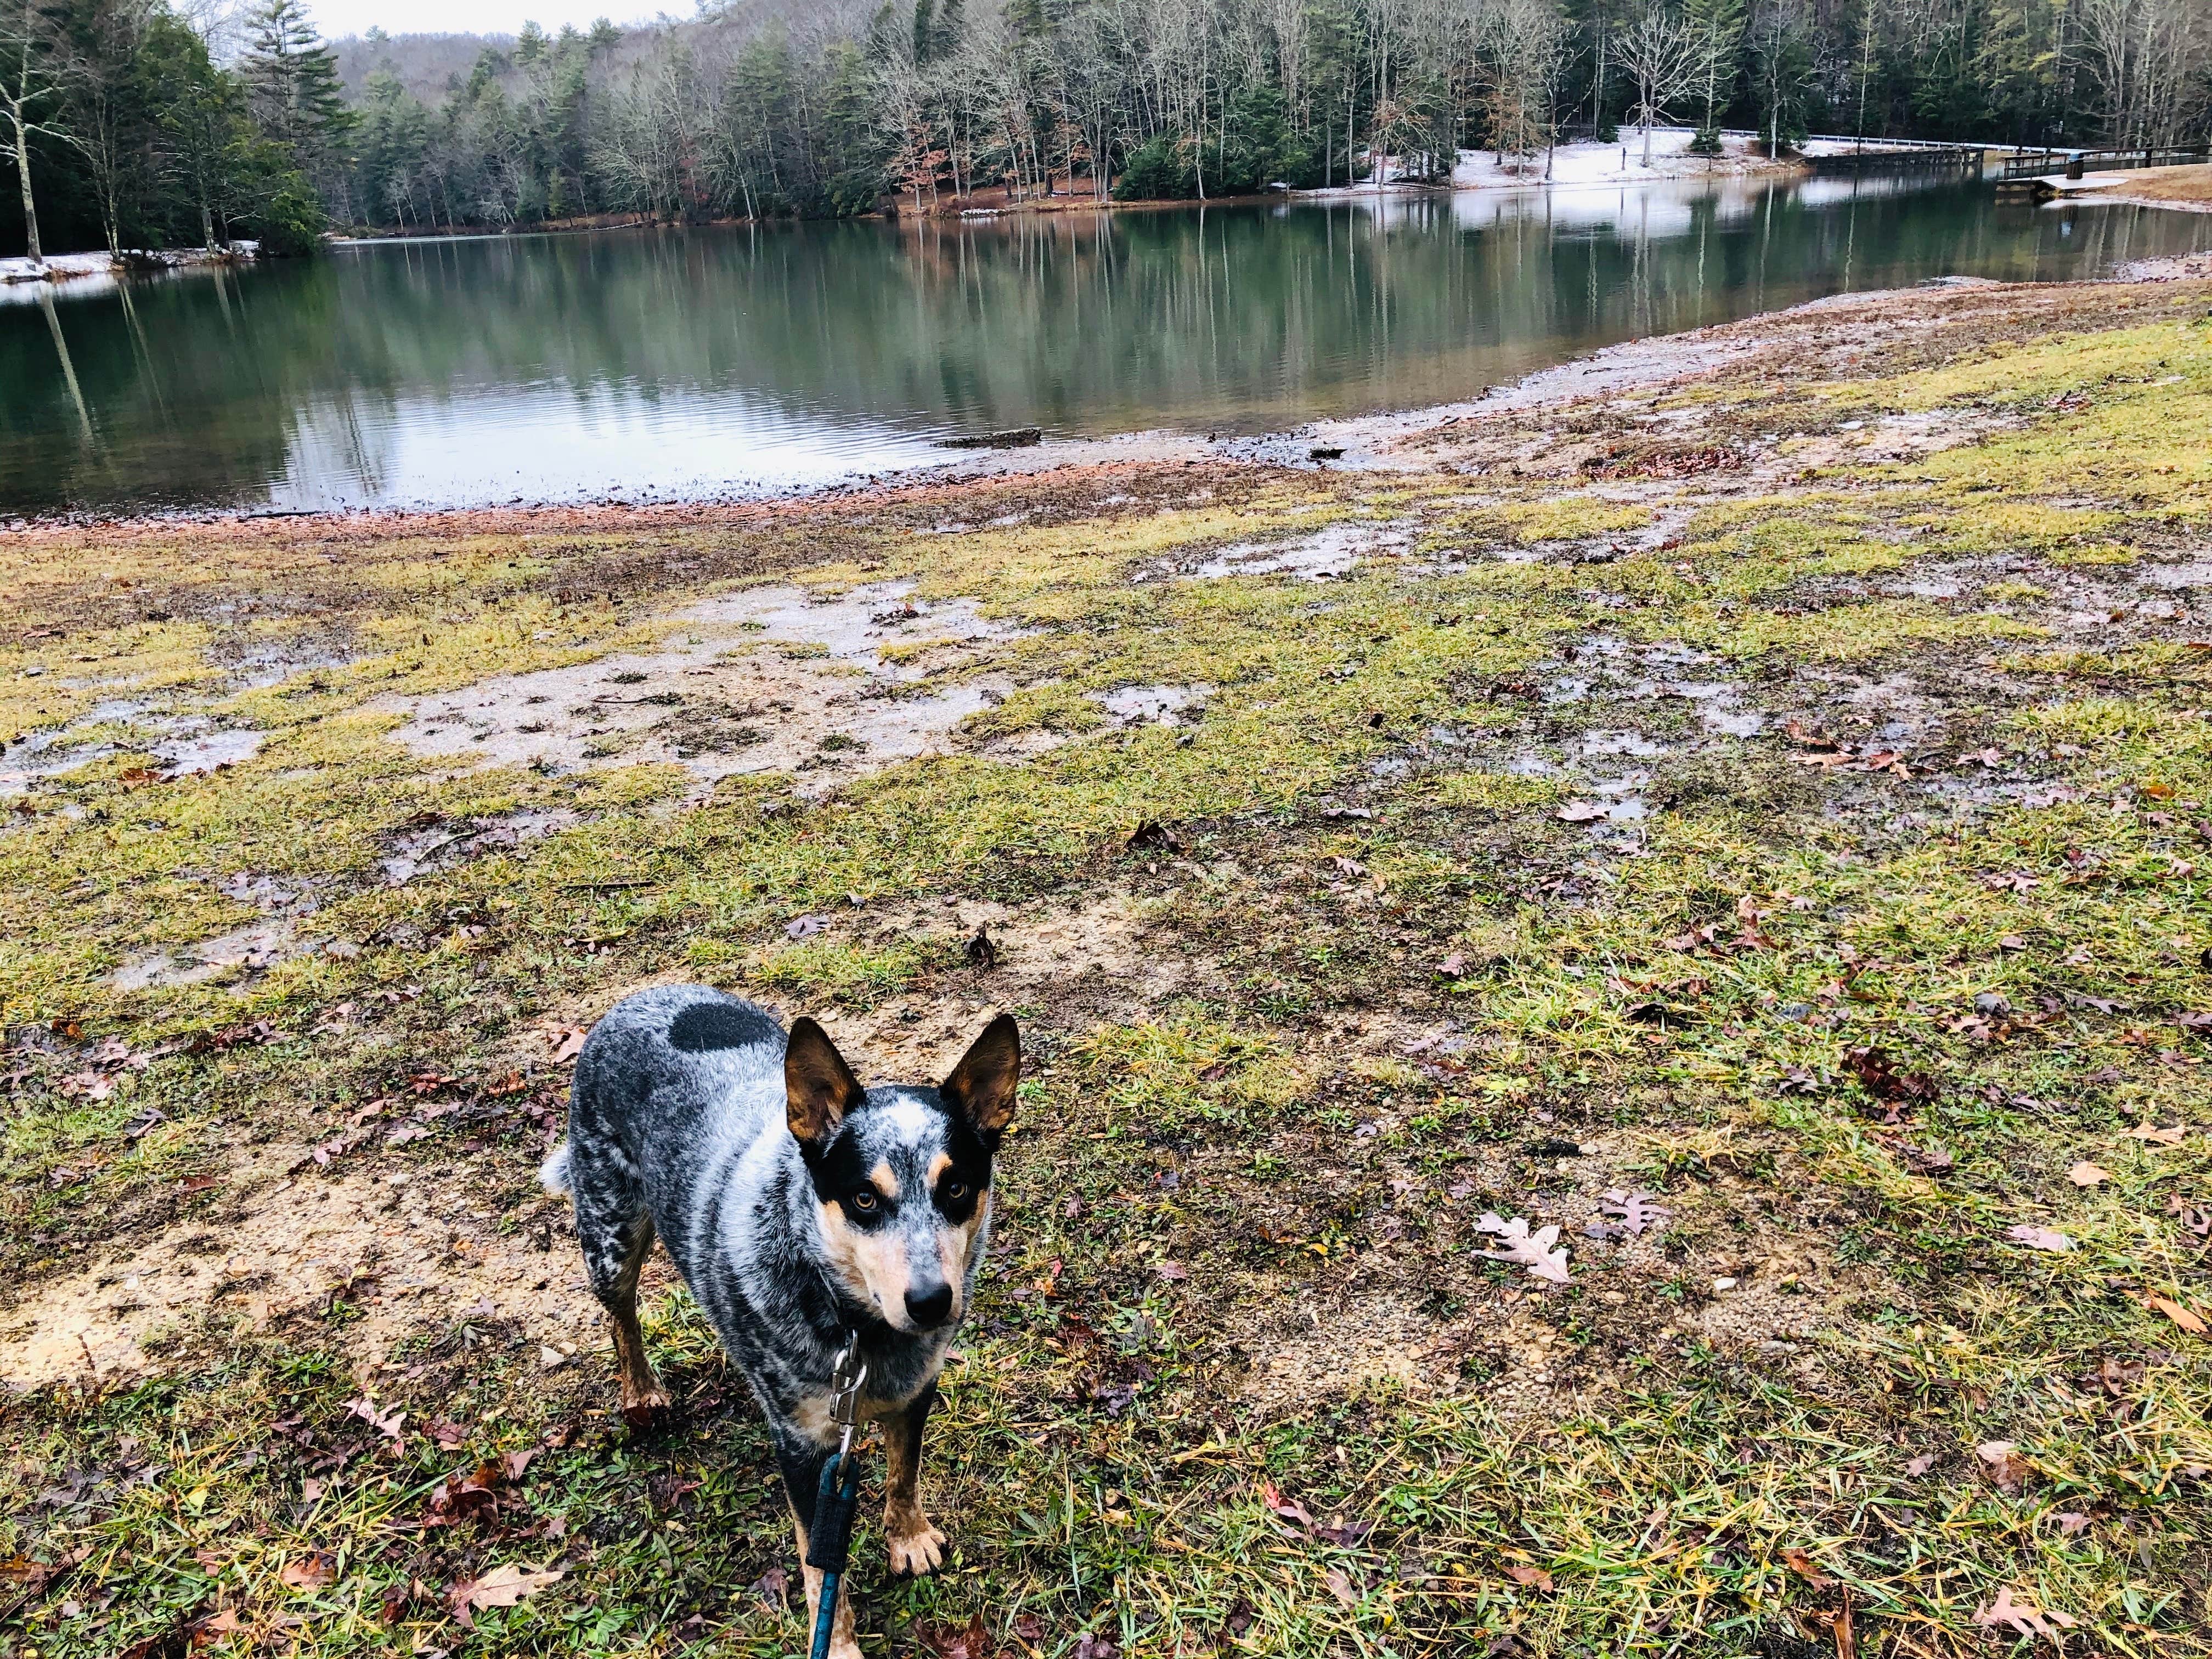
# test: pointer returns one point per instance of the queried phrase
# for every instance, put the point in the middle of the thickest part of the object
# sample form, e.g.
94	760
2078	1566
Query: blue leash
829	1538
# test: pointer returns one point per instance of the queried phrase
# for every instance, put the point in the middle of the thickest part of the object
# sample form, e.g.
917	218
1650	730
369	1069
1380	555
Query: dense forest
129	123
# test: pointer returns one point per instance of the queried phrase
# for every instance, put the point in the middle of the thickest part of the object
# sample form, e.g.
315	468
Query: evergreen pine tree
292	82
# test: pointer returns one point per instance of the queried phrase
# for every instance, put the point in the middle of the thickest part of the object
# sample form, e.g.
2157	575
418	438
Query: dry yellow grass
2186	184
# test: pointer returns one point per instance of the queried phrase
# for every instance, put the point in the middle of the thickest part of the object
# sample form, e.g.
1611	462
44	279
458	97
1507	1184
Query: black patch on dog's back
705	1025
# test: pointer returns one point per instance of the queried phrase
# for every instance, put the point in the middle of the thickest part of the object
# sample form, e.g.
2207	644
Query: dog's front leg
914	1546
802	1461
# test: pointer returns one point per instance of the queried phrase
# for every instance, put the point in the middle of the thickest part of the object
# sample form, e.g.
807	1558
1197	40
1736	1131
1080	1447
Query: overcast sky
339	18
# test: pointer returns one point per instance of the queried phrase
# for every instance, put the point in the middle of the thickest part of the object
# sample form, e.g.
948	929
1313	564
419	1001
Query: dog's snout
931	1307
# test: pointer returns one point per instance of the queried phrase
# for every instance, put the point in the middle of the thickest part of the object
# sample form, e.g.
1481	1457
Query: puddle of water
1151	705
270	665
1634	744
1329	554
258	946
2197	574
20	766
1732	722
1926	588
772	680
192	757
267	895
440	846
856	626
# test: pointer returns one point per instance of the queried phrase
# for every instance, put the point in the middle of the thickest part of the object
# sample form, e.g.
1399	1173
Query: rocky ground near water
1618	989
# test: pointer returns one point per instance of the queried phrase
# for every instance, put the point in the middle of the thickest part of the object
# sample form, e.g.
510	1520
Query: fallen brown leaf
1289	1508
1847	1642
970	1641
2180	1316
1538	1251
1807	1568
387	1423
2086	1174
311	1571
2151	1132
2025	1617
505	1586
1533	1577
2006	1466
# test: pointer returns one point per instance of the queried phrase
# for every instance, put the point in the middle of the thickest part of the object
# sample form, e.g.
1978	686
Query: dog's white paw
917	1552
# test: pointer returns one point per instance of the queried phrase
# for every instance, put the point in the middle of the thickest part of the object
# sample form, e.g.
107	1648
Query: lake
731	362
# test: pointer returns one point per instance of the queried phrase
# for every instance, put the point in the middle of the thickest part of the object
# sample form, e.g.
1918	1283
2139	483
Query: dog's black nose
931	1307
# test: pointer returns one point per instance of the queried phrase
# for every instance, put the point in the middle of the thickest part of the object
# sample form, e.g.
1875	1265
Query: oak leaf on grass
505	1585
1538	1252
2025	1617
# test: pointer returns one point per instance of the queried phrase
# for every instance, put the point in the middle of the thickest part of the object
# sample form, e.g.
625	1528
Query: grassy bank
1754	820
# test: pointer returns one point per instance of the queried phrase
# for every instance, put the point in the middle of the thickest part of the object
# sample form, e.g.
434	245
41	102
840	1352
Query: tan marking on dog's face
885	1182
872	1266
937	1166
955	1248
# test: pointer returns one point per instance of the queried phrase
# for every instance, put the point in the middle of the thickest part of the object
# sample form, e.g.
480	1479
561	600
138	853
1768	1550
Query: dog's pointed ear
981	1087
818	1087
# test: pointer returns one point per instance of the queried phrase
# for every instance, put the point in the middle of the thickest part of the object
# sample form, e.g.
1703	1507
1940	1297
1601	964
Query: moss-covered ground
1784	790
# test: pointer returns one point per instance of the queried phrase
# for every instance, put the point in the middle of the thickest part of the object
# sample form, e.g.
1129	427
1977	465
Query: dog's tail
553	1174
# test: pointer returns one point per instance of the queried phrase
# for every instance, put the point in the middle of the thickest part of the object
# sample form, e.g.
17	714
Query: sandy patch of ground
1043	952
380	1255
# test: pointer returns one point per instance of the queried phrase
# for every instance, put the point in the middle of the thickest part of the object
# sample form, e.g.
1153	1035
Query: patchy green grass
1894	968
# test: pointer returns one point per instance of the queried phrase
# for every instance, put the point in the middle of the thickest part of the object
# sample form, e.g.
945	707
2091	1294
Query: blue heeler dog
803	1210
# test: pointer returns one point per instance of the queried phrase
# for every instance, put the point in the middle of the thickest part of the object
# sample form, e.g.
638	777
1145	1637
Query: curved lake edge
1380	441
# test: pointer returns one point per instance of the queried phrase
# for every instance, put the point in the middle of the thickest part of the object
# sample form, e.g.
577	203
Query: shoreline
1374	441
1671	165
21	271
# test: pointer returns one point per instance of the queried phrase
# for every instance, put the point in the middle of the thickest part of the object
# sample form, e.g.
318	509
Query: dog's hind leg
915	1546
802	1462
616	1235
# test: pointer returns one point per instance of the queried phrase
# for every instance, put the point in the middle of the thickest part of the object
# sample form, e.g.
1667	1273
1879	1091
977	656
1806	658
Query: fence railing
2035	163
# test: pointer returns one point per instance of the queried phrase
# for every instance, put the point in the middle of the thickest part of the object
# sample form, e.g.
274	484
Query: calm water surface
733	361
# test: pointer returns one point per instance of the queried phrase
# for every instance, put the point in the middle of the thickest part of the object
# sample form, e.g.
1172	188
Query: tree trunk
30	208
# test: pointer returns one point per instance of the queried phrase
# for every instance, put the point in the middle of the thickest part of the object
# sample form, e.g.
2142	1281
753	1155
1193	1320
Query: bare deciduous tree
1660	57
33	82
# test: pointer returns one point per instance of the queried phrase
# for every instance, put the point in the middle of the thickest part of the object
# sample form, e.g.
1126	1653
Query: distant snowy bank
20	279
1588	162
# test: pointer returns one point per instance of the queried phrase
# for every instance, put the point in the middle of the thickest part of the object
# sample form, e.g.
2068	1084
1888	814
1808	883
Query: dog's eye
954	1191
864	1200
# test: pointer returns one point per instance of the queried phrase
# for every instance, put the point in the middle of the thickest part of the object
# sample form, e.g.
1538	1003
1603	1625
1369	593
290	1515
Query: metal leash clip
829	1539
845	1379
